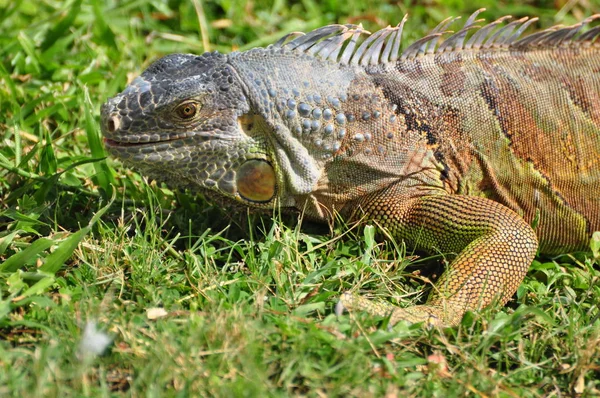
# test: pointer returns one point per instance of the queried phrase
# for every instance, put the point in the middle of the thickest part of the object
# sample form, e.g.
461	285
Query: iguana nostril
113	124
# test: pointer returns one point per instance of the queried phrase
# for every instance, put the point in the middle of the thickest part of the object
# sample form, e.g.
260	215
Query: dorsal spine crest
340	43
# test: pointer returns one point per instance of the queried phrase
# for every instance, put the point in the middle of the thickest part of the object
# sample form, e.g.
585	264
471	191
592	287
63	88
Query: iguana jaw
217	167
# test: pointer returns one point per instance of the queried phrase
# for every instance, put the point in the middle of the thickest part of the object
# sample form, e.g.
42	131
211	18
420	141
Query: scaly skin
454	148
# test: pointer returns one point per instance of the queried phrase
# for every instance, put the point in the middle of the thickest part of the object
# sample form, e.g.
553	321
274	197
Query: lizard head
187	121
243	126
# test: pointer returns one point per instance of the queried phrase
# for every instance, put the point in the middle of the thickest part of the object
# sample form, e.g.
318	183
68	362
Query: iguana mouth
245	123
141	147
114	143
140	141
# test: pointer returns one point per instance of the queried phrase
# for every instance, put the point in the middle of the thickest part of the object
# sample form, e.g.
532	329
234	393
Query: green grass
248	299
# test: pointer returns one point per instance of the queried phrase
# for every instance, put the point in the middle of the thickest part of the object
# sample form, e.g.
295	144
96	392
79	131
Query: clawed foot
430	315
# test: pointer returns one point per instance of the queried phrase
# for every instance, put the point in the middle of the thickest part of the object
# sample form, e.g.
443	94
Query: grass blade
26	256
55	260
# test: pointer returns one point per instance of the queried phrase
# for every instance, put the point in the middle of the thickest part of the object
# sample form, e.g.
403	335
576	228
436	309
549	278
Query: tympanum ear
256	181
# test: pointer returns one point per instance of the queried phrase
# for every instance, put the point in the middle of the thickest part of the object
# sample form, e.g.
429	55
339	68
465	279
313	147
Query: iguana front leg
494	247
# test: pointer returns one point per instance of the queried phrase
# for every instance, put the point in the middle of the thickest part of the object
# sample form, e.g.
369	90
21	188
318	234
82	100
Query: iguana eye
187	110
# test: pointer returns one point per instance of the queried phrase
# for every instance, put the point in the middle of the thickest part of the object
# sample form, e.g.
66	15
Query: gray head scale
183	121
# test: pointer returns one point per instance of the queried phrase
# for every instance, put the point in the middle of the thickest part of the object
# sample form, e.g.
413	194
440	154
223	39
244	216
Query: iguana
480	143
